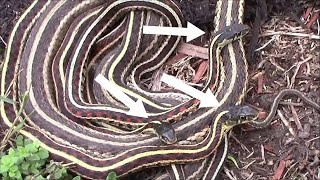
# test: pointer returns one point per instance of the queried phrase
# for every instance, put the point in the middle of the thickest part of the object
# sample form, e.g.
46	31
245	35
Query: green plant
18	122
26	159
29	161
112	176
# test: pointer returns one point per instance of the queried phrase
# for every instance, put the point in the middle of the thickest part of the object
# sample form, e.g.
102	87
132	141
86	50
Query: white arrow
136	108
206	99
191	31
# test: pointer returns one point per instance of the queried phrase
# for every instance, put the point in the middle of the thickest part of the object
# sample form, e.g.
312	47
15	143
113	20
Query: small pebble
270	162
306	131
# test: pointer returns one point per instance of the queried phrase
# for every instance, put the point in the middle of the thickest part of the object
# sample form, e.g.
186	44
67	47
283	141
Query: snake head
166	132
240	114
231	33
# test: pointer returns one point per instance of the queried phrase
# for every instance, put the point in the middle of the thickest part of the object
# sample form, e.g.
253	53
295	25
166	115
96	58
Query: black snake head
231	33
165	132
240	114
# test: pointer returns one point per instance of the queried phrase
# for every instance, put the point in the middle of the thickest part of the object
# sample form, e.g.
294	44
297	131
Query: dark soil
283	150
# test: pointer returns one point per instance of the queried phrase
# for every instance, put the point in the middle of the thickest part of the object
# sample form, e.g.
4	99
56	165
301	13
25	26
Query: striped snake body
227	13
47	57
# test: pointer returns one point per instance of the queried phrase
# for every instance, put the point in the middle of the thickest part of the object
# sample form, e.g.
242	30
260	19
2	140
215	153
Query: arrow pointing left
136	108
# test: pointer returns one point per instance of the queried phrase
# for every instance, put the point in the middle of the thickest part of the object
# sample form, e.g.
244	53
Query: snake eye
164	138
243	117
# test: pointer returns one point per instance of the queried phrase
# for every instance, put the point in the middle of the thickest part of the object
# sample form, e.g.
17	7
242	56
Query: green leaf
40	177
37	143
32	148
25	96
5	175
18	175
232	159
12	152
27	141
34	170
57	174
25	166
33	157
14	168
112	176
37	164
23	152
20	125
19	140
7	161
12	174
41	162
76	178
43	154
7	100
4	169
2	154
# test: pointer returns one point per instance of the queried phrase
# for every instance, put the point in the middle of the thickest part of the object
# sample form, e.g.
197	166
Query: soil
288	56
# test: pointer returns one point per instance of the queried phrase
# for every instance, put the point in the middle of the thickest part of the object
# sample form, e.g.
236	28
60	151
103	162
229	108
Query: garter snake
227	13
274	106
210	170
46	57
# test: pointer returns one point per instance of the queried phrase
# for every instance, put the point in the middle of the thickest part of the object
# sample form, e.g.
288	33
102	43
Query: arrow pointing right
191	31
206	99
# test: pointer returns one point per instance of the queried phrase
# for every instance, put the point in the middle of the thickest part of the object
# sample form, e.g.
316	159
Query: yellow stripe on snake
47	56
57	48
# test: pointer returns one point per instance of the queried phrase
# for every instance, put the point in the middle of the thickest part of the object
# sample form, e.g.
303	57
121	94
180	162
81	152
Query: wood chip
277	175
178	57
202	69
313	19
192	50
262	115
260	83
307	13
269	148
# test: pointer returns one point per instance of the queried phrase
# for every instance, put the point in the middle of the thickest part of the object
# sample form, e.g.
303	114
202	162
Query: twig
242	145
285	174
313	139
250	154
298	65
291	103
296	118
310	36
266	44
318	24
262	155
14	128
250	176
229	173
272	61
286	123
3	41
248	165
